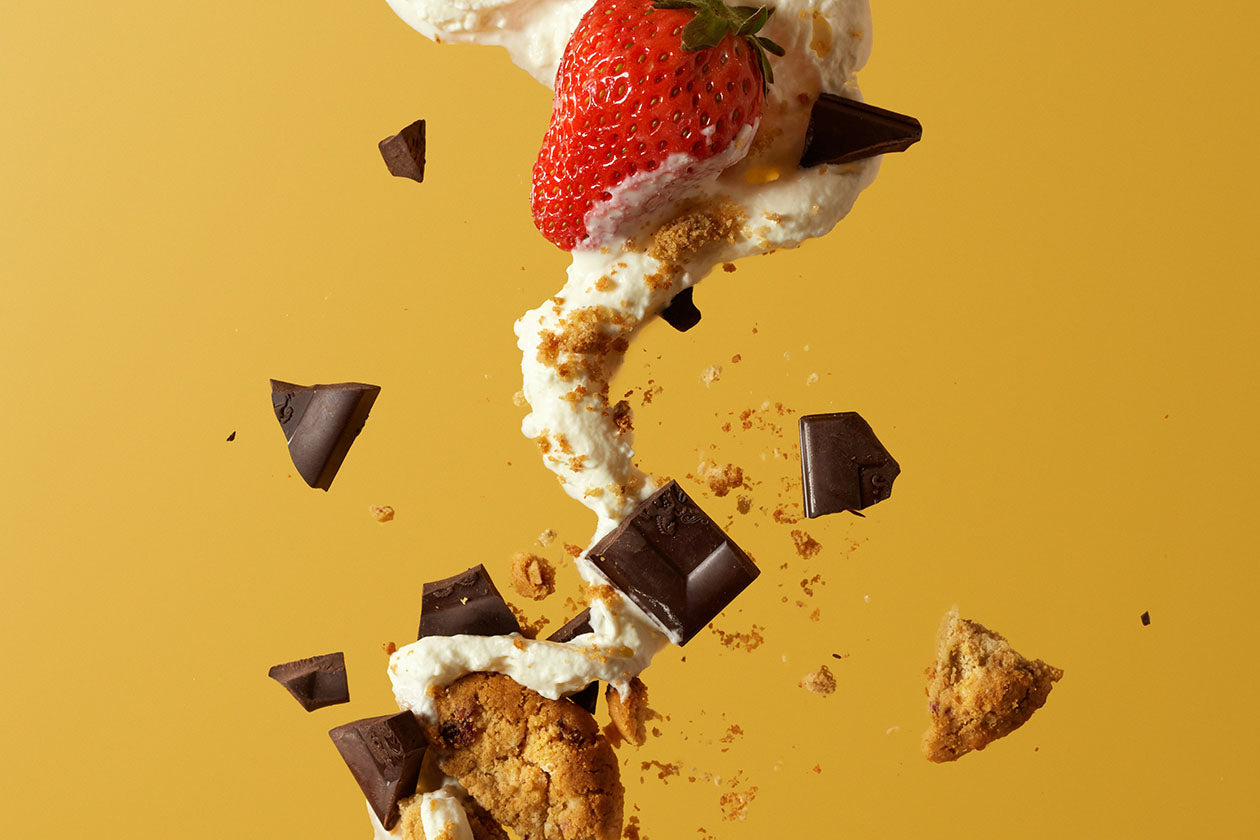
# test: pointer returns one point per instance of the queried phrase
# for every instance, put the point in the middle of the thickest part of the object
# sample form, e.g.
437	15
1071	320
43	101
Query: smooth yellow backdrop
1047	309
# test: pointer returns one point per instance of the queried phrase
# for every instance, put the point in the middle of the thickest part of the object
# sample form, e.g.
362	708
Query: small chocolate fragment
465	604
404	152
231	437
681	312
844	130
588	697
1146	619
320	422
674	562
843	465
315	682
384	754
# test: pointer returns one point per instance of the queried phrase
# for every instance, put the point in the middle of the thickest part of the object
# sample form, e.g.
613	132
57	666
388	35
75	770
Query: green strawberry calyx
715	20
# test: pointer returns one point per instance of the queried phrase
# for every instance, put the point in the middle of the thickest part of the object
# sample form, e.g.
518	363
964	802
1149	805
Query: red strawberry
641	81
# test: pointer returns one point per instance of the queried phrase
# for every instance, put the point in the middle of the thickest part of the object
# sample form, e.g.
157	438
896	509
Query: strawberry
640	82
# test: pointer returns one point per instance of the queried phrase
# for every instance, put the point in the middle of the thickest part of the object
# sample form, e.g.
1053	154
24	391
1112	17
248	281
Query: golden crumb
710	375
681	238
749	641
728	267
735	803
605	284
743	504
820	682
573	550
806	546
721	480
532	576
664	771
736	359
812	379
518	399
390	648
382	513
546	538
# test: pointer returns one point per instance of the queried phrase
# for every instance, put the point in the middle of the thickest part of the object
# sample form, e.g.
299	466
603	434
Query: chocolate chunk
843	465
576	626
844	130
320	422
316	682
404	152
681	313
384	754
1146	619
588	697
231	437
466	604
674	562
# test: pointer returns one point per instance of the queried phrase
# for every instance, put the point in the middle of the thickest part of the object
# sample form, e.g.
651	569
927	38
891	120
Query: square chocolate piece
674	562
466	604
843	465
384	755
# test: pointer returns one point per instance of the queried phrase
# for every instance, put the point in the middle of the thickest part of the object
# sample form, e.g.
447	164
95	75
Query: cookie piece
629	712
980	689
540	767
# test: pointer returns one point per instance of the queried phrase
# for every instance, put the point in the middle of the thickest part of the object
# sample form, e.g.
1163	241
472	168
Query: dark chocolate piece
843	465
404	152
844	130
681	312
466	604
588	697
576	626
316	682
384	754
231	437
320	422
674	562
1146	619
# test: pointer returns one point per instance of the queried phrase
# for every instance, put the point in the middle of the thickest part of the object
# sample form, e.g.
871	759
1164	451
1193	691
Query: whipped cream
751	201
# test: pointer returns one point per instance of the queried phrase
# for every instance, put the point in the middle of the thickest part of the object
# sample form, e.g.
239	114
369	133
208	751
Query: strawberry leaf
714	20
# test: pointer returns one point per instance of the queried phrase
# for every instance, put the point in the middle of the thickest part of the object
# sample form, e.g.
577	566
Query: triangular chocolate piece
315	682
844	130
580	624
465	604
681	312
404	152
979	689
320	422
384	754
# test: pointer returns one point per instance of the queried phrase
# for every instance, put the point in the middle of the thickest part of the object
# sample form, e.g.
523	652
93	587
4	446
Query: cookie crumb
532	576
812	379
749	641
573	550
546	538
743	504
820	682
710	375
721	480
518	399
806	546
735	803
382	513
390	648
728	268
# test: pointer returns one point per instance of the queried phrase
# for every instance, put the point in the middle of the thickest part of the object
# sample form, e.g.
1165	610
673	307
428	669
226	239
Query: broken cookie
980	689
540	767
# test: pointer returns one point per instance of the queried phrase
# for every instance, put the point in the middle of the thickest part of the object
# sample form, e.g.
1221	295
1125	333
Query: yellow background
1047	310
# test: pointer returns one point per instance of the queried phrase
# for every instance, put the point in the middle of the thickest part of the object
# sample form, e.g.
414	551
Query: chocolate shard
674	562
843	465
384	755
588	697
404	152
315	682
320	422
844	130
1146	618
681	312
466	604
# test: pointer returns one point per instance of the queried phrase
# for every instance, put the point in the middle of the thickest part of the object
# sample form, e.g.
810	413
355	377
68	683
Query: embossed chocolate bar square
674	562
